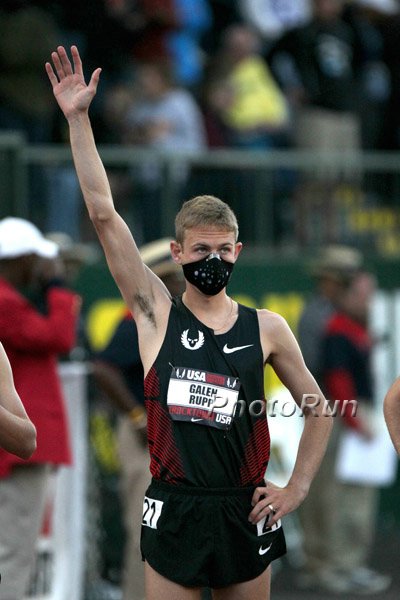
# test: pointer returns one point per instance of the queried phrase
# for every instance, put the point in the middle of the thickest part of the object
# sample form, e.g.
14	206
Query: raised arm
17	432
391	409
285	357
139	286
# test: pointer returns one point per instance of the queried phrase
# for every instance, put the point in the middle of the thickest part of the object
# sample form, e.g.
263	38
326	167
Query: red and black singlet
198	435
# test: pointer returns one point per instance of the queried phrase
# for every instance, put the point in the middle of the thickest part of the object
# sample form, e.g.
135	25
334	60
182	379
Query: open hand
69	87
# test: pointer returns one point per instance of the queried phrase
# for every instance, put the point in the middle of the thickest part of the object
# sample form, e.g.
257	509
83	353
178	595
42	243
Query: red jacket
347	370
33	341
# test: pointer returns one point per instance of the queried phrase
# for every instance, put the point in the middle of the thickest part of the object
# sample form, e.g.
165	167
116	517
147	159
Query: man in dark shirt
318	66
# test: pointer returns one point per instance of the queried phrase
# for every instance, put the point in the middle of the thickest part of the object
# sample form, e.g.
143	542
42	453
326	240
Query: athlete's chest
196	346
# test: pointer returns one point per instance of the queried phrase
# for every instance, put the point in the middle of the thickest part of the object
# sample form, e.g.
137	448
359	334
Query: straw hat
339	262
157	256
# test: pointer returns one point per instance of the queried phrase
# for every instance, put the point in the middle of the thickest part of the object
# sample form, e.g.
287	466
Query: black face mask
210	275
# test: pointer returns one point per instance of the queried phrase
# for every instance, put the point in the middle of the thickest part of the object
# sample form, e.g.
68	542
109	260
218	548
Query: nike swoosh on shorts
235	348
262	550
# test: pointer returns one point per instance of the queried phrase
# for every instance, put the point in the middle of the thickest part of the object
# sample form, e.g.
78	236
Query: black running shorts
202	537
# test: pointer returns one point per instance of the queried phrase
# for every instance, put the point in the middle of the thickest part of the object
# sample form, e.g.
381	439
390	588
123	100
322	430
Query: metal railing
266	189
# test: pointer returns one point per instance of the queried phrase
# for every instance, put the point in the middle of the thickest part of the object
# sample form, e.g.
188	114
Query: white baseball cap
19	237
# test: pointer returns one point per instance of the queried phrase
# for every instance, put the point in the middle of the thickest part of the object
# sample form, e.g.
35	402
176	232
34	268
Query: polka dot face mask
210	275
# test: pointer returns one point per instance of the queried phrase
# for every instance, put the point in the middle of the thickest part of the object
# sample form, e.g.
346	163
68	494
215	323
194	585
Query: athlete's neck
216	312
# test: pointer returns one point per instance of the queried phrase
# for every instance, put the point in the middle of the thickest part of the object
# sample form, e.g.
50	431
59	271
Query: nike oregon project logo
192	343
228	350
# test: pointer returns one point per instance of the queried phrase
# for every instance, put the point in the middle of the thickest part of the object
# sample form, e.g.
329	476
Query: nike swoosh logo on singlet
195	420
235	348
262	550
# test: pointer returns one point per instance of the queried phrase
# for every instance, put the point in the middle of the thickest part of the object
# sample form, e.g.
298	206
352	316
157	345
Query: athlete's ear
238	249
176	251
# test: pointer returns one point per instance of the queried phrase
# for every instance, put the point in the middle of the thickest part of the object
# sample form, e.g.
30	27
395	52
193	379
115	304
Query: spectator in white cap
33	333
19	237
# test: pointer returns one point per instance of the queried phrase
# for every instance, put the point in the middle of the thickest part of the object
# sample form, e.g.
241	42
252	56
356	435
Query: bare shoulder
271	323
275	334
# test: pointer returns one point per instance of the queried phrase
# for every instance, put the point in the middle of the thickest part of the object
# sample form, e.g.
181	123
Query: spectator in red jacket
340	522
37	322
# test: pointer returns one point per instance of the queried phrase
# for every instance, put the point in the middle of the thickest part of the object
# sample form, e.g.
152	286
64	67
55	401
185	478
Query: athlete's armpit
145	306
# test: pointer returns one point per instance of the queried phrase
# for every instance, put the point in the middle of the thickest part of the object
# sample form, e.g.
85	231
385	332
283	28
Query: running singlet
202	430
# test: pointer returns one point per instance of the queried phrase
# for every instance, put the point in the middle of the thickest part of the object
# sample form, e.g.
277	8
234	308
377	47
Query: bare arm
391	409
286	359
17	432
139	287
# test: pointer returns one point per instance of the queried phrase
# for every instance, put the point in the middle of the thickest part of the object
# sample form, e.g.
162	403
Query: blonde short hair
205	211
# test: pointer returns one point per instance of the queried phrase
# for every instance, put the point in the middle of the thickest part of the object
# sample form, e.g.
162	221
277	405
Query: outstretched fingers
65	62
77	60
94	80
51	74
57	65
62	67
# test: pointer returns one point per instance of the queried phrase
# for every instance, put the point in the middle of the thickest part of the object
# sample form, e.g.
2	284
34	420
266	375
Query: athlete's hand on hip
69	87
274	502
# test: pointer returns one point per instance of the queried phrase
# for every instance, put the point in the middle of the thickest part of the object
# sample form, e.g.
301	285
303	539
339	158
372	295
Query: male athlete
209	518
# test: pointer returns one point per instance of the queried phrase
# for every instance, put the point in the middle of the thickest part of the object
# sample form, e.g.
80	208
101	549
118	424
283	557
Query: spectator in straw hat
339	514
339	361
118	371
332	272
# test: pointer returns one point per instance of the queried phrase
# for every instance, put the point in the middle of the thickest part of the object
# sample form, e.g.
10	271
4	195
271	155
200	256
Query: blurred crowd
187	75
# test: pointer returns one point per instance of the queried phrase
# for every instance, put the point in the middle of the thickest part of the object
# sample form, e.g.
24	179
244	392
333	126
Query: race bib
263	527
202	397
151	512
